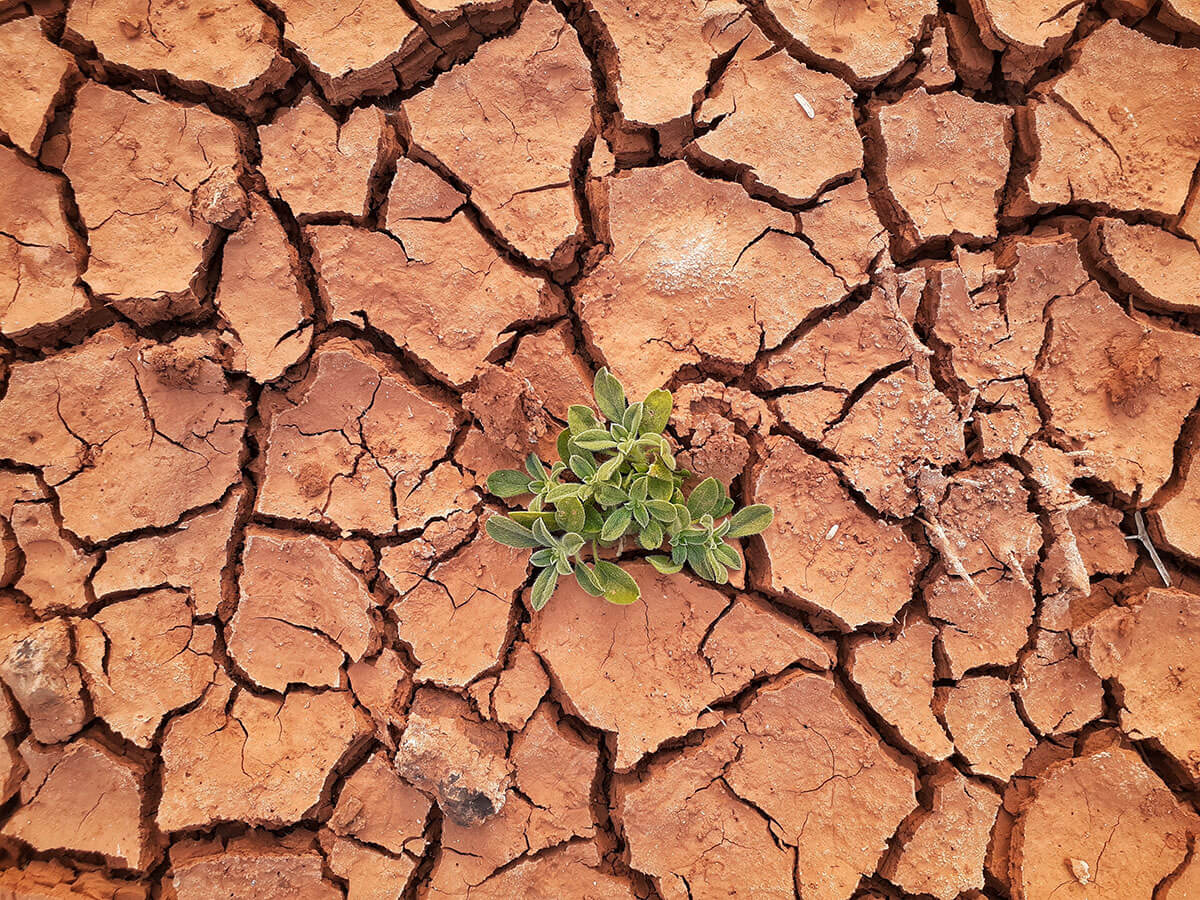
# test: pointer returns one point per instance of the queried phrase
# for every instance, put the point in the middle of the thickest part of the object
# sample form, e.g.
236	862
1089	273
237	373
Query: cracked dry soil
282	281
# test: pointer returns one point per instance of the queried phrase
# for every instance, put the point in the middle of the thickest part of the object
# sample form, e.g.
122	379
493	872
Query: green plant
617	479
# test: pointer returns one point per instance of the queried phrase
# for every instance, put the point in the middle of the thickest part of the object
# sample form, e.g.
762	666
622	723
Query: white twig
805	105
1143	538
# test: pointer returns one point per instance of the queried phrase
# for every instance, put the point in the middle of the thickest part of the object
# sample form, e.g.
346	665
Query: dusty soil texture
283	281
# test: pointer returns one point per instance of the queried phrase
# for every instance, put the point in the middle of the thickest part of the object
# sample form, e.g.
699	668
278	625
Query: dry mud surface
282	281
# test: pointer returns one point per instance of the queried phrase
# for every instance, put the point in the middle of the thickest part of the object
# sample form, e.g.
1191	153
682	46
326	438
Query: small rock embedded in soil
450	752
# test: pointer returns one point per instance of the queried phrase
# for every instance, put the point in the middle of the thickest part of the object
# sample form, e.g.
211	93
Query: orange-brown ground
282	281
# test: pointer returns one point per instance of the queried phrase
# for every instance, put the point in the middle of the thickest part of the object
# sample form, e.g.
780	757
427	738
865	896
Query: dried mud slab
239	757
152	179
1105	137
943	159
129	420
457	618
696	271
1058	690
822	371
896	678
437	289
685	826
1100	826
481	121
661	652
643	40
83	797
981	716
823	551
320	166
832	788
990	311
1029	33
42	256
1147	651
262	298
142	659
35	77
230	52
302	612
942	850
192	557
867	42
1116	386
252	863
846	232
343	445
987	624
362	50
766	137
1155	266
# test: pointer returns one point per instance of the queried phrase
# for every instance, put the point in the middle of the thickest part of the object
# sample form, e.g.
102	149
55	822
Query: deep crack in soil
283	281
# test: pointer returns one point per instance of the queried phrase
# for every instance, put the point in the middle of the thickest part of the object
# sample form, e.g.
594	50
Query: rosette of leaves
617	484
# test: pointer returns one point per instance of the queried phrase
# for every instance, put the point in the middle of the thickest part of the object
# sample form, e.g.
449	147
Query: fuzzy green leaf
534	467
505	531
619	586
661	510
569	514
705	497
542	534
640	515
632	420
650	537
661	490
697	558
610	396
572	543
580	419
543	587
664	564
587	579
657	413
751	520
560	492
583	466
508	483
615	524
527	517
727	555
541	558
593	520
610	495
564	444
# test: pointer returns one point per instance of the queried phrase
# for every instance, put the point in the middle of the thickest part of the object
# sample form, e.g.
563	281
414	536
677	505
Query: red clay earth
283	281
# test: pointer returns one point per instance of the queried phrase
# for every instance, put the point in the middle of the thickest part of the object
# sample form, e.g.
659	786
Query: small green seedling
617	480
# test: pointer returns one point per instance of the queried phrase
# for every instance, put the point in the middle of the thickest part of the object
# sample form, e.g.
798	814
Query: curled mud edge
283	282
